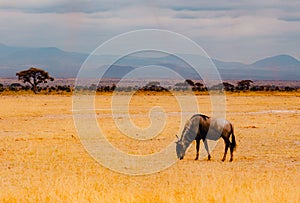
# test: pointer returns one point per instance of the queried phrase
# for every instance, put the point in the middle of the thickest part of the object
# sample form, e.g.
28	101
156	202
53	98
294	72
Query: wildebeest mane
201	115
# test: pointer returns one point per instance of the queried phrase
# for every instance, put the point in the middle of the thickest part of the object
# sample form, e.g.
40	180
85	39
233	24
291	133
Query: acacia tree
34	76
244	84
190	82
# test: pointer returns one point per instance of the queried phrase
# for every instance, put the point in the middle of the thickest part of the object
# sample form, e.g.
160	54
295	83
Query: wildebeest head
179	149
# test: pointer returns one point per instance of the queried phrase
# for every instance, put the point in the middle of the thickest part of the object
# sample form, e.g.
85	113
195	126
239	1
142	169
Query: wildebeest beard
188	136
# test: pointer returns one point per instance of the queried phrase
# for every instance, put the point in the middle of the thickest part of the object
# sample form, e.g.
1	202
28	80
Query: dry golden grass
42	159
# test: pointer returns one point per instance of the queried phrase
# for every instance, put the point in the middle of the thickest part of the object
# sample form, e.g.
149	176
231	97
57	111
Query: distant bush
244	85
1	87
228	86
257	88
289	89
15	87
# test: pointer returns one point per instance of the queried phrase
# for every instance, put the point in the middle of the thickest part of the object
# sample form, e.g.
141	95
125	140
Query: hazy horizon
107	55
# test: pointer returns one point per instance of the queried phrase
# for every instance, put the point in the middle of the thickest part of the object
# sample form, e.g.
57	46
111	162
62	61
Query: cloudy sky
226	29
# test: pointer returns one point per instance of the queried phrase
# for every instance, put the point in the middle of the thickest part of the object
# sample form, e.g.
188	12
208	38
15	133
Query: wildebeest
201	127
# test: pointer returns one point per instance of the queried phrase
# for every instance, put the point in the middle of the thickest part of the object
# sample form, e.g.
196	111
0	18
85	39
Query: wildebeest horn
177	137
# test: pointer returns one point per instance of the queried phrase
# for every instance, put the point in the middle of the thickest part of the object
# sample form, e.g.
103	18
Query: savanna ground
43	160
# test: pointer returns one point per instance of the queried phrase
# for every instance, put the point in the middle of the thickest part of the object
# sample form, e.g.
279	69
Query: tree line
34	77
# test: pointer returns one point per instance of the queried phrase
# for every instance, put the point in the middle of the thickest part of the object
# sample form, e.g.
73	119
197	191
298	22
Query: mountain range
64	64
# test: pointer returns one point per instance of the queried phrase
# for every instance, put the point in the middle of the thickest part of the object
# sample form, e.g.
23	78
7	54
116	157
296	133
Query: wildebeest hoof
196	158
223	160
231	160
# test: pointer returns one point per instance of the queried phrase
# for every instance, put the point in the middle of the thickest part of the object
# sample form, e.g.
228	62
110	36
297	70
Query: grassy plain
42	159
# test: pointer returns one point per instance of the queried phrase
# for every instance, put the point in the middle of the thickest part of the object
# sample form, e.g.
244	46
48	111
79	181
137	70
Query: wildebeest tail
233	142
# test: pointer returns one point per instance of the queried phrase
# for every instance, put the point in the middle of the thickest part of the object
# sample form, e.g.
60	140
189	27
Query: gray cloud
91	6
290	18
66	6
251	28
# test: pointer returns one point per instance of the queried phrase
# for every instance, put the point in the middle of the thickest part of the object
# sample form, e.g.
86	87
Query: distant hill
59	63
276	67
64	64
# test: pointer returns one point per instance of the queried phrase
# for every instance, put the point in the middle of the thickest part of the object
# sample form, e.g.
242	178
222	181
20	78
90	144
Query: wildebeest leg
231	155
231	152
227	144
197	148
207	149
232	145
